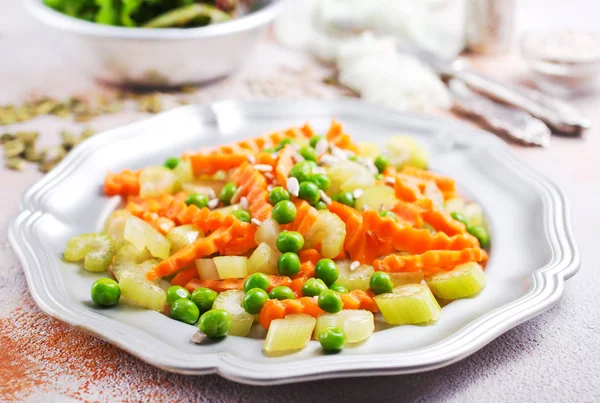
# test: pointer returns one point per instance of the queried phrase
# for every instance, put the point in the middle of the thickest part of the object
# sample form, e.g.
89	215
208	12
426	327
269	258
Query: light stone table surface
554	357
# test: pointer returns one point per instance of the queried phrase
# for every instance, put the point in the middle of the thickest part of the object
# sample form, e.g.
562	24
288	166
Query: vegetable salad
151	13
306	235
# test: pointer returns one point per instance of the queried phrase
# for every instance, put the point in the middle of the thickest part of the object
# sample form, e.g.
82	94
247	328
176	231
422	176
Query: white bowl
155	57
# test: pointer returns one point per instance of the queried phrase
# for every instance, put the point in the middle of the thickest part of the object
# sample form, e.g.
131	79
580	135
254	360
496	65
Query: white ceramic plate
533	248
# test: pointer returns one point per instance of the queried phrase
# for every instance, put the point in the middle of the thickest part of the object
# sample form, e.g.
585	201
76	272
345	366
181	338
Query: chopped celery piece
208	187
231	301
406	278
263	260
207	270
368	149
289	335
157	180
330	231
183	172
474	214
141	291
229	209
377	198
463	281
232	266
96	251
268	232
454	204
115	224
434	193
347	176
354	279
143	235
358	325
127	257
406	151
406	304
183	236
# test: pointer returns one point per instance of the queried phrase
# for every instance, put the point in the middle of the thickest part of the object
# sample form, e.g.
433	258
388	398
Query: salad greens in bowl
155	43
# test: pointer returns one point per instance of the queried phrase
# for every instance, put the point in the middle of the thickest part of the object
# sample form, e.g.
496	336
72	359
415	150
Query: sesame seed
270	187
293	186
389	180
321	147
338	152
297	157
319	170
326	199
263	167
213	203
357	193
251	159
198	337
329	159
354	265
269	176
237	195
244	203
256	222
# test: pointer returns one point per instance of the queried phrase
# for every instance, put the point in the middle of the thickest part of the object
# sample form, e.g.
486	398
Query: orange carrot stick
443	221
445	184
212	163
285	163
185	276
123	183
234	283
431	261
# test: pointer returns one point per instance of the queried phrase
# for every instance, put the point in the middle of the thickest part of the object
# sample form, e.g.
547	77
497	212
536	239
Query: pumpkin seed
15	163
6	137
13	148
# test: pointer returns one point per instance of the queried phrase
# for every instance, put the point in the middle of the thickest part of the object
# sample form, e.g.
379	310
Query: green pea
379	177
197	200
227	193
308	153
338	287
380	283
321	205
282	292
353	158
204	298
327	270
460	217
289	241
176	292
254	300
309	192
314	140
257	280
105	292
313	287
172	162
283	143
482	235
278	194
242	215
284	212
332	339
381	163
288	264
322	181
215	323
387	213
346	198
330	301
184	310
302	171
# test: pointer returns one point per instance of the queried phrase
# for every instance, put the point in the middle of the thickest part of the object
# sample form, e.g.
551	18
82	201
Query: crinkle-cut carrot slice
306	216
336	136
242	243
253	185
409	212
307	131
430	262
161	224
353	220
266	159
443	221
359	299
444	183
234	283
413	240
309	255
202	247
185	276
207	220
276	309
407	188
212	163
285	162
123	183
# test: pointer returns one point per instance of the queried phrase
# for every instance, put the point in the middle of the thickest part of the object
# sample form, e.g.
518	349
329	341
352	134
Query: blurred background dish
157	57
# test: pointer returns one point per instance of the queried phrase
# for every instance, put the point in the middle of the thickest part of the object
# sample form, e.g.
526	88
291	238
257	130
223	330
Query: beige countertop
553	357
